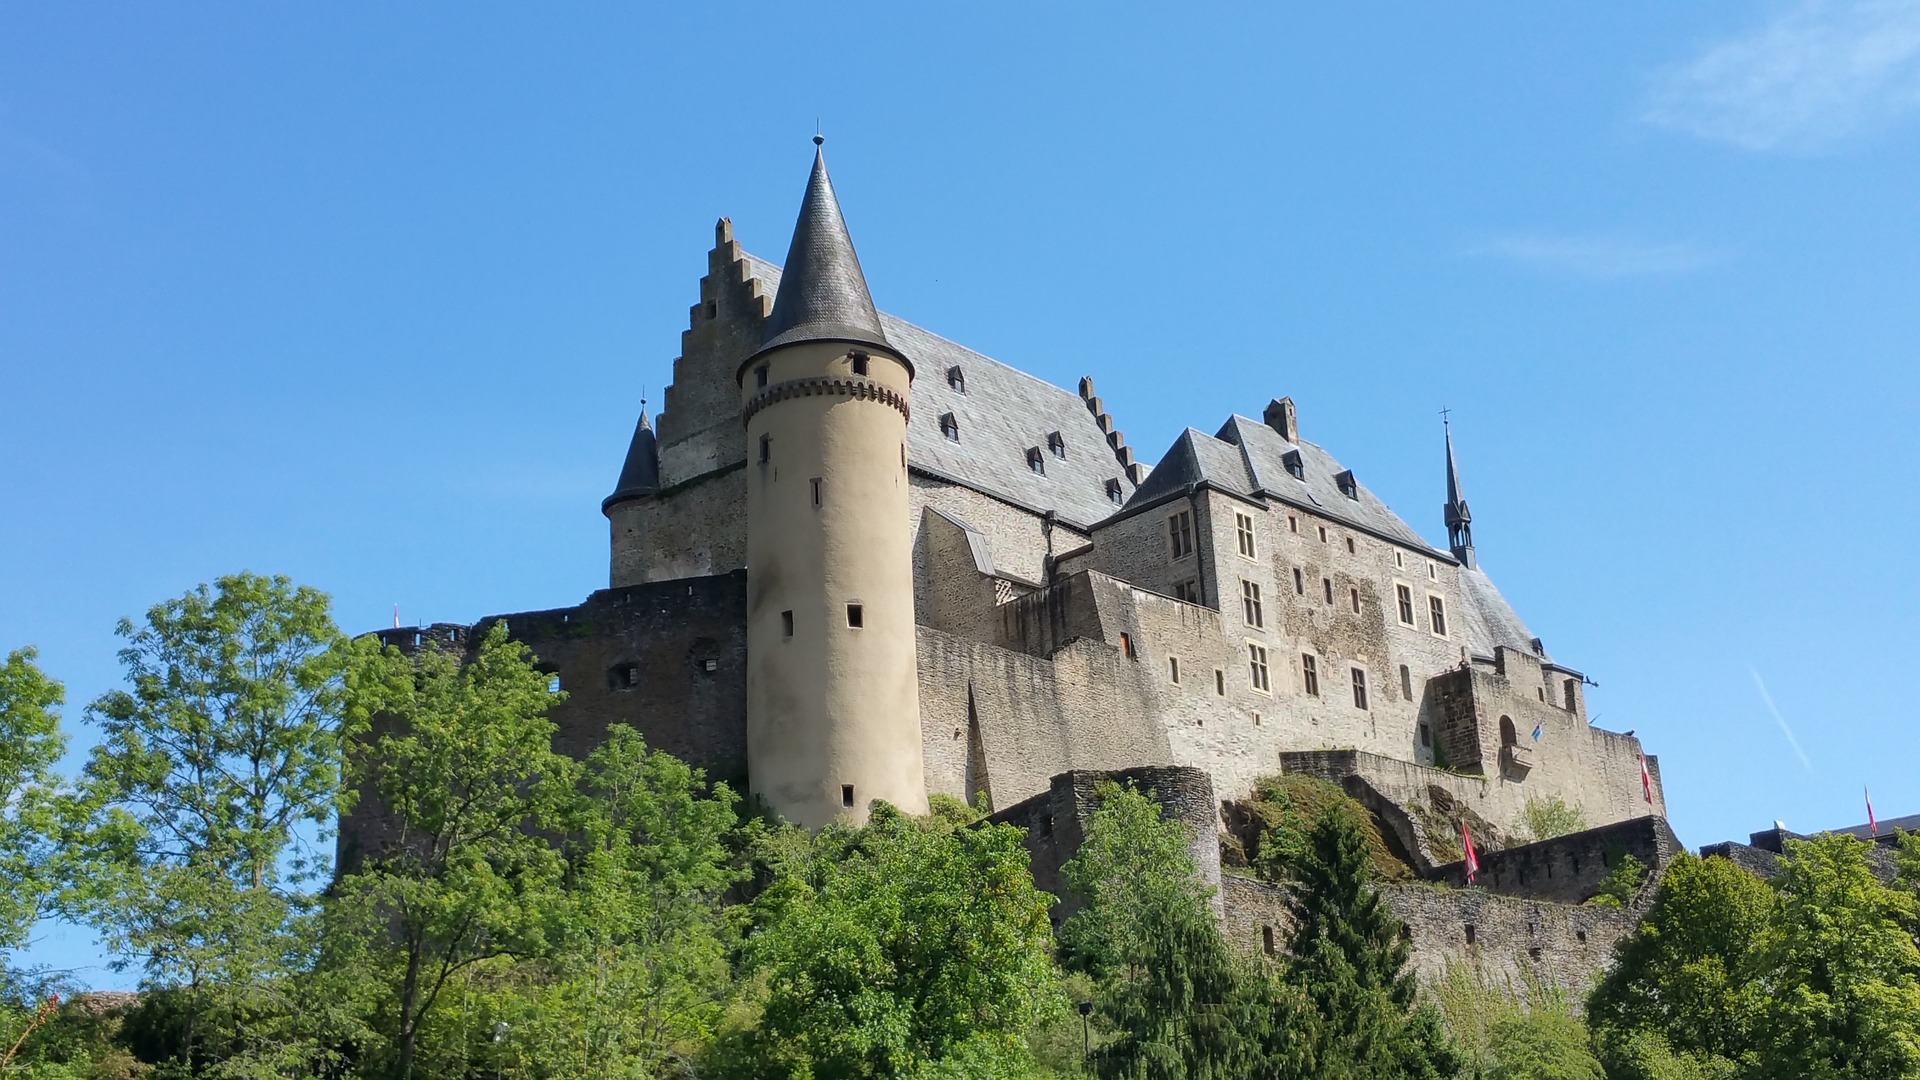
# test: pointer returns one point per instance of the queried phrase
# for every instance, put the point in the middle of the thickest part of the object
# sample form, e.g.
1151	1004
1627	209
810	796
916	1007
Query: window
815	485
1326	586
1126	647
1437	611
1035	462
1399	559
1057	443
1353	595
1469	933
1426	735
1295	467
1359	688
710	664
760	376
766	449
957	379
1250	603
1293	523
713	309
1349	545
1404	595
1309	675
1243	528
553	683
623	676
1187	591
1433	570
1406	683
1220	682
786	624
1571	690
859	362
1173	670
856	616
1256	719
846	794
1180	533
1347	484
949	426
1323	534
1299	582
1266	940
1257	666
1114	493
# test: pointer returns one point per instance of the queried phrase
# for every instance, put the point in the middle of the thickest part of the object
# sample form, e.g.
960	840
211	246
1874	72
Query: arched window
1508	737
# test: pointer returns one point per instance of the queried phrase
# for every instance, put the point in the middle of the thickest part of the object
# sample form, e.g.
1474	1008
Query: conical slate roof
823	295
1459	520
640	476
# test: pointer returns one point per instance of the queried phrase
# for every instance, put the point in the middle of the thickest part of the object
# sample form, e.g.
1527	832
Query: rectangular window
1173	670
1188	591
856	616
815	485
1257	666
846	794
1126	646
1266	940
1293	523
859	362
1404	595
1399	559
1326	586
766	449
1299	582
1250	603
1406	683
1353	595
1433	570
1437	611
1426	735
760	376
1359	688
1220	682
1349	545
1309	675
1243	528
1180	533
1323	534
786	624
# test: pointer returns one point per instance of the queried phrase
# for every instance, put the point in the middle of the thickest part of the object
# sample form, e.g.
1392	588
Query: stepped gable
1002	413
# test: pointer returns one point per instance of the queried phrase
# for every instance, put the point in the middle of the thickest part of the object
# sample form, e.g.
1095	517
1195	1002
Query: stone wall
699	428
1568	869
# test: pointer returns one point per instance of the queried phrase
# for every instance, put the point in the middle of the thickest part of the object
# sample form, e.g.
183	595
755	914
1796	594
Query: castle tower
833	709
1459	520
625	508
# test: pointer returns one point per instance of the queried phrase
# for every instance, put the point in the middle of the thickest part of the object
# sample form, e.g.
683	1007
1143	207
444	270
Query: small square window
760	376
856	616
1426	735
1433	570
710	664
846	795
859	362
786	624
1266	940
1470	934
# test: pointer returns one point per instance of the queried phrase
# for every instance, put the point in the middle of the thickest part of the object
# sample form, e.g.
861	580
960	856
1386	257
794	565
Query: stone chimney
1281	418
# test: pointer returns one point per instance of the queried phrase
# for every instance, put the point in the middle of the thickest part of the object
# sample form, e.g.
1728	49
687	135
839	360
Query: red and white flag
1873	827
396	616
1646	780
1473	859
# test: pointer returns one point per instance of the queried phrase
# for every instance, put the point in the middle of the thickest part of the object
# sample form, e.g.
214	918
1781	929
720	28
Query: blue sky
368	295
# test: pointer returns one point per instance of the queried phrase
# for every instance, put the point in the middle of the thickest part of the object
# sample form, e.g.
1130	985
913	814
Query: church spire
1459	520
823	295
640	475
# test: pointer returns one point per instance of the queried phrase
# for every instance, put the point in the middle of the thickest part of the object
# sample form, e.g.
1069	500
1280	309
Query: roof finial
817	137
1459	520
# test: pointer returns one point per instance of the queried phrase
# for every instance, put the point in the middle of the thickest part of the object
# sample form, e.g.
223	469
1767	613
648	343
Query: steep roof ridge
1264	450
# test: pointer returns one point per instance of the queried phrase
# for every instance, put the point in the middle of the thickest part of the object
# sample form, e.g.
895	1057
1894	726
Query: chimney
1281	418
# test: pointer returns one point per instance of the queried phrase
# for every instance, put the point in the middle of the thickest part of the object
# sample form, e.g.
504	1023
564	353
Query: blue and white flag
1538	728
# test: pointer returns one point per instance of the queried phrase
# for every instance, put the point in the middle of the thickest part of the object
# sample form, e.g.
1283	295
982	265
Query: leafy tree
224	746
904	948
1349	957
1843	973
1621	884
38	814
464	768
1688	973
1550	817
1540	1046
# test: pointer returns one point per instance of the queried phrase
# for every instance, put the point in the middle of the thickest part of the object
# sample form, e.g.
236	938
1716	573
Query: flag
1539	727
1472	860
1873	827
1646	780
396	616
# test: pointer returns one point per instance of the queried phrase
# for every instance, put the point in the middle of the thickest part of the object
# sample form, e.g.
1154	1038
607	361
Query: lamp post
1086	1039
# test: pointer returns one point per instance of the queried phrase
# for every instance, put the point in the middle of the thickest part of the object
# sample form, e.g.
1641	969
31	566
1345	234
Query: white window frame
1408	616
1434	598
1243	535
1259	668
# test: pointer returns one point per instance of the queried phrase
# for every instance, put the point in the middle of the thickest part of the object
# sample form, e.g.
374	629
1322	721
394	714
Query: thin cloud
1819	74
1596	256
1761	685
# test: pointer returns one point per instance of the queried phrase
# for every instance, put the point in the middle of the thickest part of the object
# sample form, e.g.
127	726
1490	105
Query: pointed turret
640	475
823	294
1459	519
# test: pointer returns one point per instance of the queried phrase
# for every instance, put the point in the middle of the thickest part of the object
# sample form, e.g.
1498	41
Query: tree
1689	973
1622	883
1842	970
1349	957
224	746
902	948
464	770
1550	817
37	812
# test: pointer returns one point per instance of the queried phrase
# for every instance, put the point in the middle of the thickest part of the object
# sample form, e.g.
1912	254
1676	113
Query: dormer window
1058	444
1036	461
957	379
1294	464
1115	494
1348	485
949	426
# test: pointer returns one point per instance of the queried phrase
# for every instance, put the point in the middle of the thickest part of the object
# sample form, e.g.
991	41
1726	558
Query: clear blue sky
368	294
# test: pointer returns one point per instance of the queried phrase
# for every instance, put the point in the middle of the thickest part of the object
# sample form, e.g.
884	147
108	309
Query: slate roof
640	474
824	296
1002	414
1490	620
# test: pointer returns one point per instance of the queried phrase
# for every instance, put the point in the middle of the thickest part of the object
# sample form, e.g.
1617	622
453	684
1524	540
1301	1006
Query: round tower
631	504
833	704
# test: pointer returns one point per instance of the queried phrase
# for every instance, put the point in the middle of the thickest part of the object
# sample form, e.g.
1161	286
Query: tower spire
640	474
823	293
1459	519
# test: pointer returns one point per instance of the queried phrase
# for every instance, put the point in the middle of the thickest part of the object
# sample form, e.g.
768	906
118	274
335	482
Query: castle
855	561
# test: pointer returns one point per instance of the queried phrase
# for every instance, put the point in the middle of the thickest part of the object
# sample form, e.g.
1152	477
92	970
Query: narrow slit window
1309	675
1266	940
1326	586
856	616
1353	595
1359	688
1299	582
1173	670
1349	545
766	449
846	795
786	624
1219	682
1323	534
1126	646
815	485
1293	523
1406	683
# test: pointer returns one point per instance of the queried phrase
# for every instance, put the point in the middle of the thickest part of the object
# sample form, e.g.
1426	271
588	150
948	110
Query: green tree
903	948
225	745
1550	817
1842	970
1688	972
1349	957
463	767
38	812
1622	883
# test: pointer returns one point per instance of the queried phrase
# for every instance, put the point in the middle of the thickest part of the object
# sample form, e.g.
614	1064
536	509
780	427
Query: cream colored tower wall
831	705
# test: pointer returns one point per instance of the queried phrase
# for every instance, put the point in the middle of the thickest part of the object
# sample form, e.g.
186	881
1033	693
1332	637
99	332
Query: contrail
1761	685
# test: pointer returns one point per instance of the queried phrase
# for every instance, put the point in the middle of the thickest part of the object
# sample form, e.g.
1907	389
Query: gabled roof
823	296
1002	413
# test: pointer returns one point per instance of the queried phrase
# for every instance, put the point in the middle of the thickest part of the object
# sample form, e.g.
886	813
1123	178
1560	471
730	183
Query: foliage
39	815
902	948
1281	815
463	763
1550	817
1621	884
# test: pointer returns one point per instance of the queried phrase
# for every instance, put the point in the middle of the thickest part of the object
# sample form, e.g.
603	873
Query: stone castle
854	560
